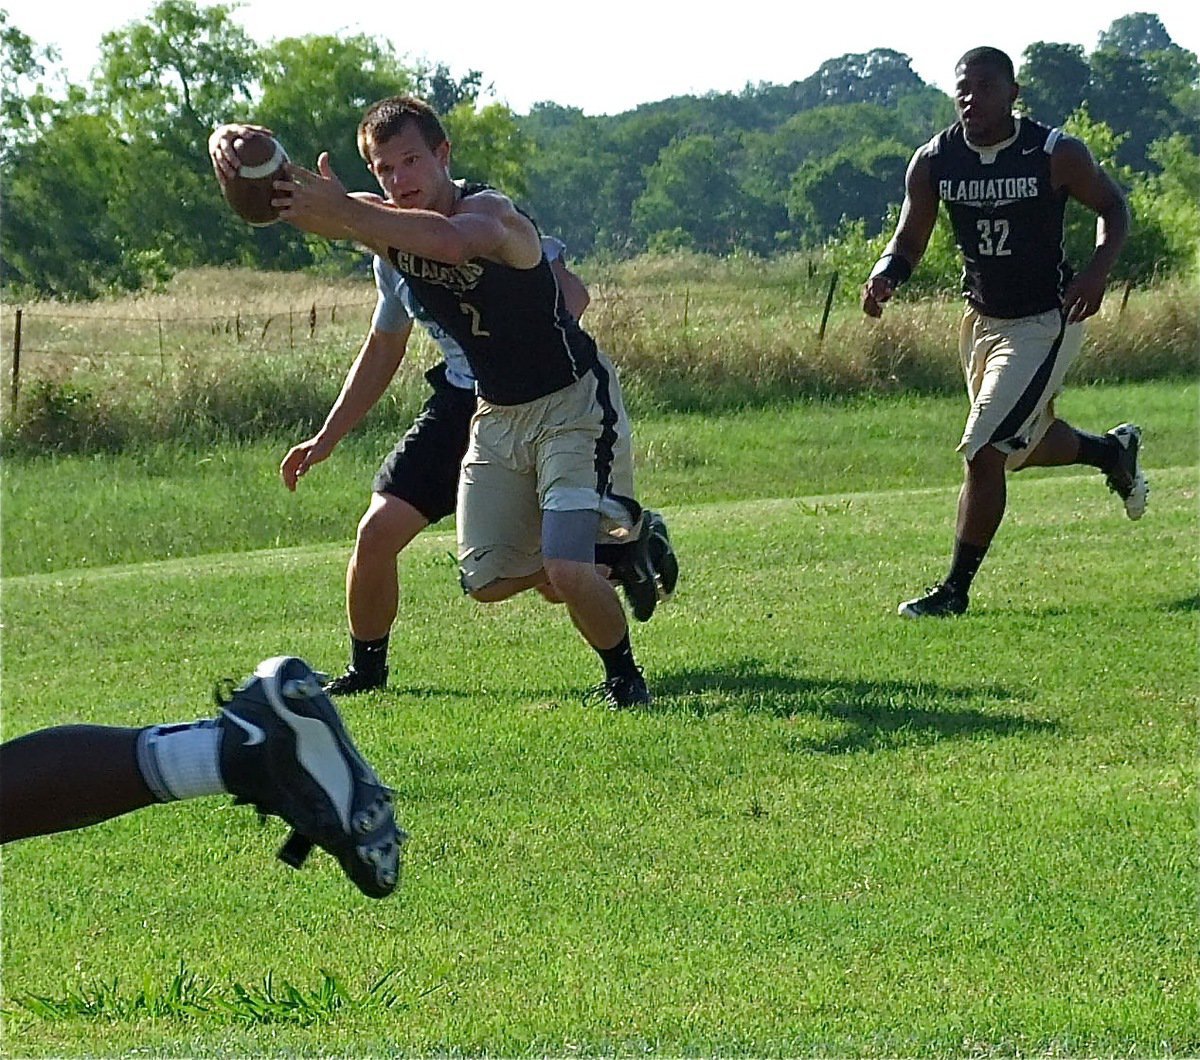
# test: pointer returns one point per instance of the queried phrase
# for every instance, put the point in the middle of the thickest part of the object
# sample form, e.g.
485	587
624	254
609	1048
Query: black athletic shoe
620	692
648	569
1126	479
939	602
354	681
663	560
285	750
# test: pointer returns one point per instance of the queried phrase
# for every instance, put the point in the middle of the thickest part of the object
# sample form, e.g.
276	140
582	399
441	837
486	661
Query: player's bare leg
373	589
591	601
372	584
981	504
1115	453
983	497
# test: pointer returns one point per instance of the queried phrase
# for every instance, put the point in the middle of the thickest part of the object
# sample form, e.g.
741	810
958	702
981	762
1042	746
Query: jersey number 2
476	327
993	235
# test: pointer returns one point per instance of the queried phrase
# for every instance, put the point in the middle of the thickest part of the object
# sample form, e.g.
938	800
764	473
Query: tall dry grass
243	353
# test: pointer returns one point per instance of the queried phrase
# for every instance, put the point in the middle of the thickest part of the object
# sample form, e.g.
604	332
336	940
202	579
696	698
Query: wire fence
160	339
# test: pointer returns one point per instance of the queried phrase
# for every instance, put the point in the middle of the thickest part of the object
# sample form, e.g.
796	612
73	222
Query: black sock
964	565
369	656
618	660
1098	450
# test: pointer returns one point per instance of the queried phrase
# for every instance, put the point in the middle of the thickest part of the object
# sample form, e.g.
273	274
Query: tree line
107	186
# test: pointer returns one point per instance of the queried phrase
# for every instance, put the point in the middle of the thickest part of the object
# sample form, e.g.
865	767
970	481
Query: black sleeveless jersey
1007	218
512	324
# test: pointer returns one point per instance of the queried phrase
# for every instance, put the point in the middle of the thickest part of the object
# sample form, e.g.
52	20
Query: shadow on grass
1184	603
873	715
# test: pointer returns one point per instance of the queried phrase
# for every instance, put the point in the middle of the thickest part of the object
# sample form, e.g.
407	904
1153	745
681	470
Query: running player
1005	180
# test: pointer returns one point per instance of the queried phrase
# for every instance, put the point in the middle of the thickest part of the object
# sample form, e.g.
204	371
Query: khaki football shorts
568	451
1014	370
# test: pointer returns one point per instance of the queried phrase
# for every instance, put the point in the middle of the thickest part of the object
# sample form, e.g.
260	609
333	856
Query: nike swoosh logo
253	732
1029	150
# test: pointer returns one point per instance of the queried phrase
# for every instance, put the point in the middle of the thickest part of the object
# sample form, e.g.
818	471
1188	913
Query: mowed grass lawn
835	832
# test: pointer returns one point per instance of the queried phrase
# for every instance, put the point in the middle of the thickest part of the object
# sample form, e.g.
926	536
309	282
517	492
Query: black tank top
512	324
1007	218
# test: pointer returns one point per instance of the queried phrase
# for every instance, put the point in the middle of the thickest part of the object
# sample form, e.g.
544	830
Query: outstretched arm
486	225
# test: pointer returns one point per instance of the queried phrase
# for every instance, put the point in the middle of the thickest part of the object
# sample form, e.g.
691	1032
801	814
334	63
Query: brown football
250	192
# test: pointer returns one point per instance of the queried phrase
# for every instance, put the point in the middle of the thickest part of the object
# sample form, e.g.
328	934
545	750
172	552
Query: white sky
609	57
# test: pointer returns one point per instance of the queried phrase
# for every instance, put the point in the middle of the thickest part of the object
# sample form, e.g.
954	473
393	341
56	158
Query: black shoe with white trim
940	601
285	749
354	681
1126	479
648	570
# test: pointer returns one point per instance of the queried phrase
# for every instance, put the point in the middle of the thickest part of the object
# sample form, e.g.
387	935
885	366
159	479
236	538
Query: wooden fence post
312	321
1125	298
16	365
828	305
162	358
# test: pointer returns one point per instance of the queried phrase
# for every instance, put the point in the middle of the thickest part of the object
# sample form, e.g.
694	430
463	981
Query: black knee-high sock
1098	450
964	564
618	660
369	656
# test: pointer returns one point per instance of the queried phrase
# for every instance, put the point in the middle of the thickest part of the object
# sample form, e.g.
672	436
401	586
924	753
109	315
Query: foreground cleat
354	681
619	692
939	602
649	570
1126	479
285	750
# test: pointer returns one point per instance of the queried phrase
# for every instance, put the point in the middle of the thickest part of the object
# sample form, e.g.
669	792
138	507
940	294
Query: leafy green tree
1054	81
26	106
442	91
176	74
488	145
314	92
691	189
1135	35
858	181
568	152
1144	85
819	132
1165	239
878	76
1124	97
73	245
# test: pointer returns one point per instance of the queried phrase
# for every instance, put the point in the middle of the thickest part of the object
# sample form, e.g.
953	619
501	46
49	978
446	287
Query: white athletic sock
181	761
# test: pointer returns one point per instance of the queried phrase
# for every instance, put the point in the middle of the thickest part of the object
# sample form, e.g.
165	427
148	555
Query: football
261	160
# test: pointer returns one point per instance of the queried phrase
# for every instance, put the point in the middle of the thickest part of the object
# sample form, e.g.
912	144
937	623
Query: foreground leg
278	743
68	777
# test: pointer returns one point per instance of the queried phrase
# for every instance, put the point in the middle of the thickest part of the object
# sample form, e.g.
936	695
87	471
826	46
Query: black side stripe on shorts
608	430
1032	395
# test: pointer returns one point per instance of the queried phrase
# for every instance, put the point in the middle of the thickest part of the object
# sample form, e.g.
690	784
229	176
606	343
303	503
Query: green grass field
834	833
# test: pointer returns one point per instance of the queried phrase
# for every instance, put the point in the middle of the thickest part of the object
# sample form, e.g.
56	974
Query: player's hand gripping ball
261	159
